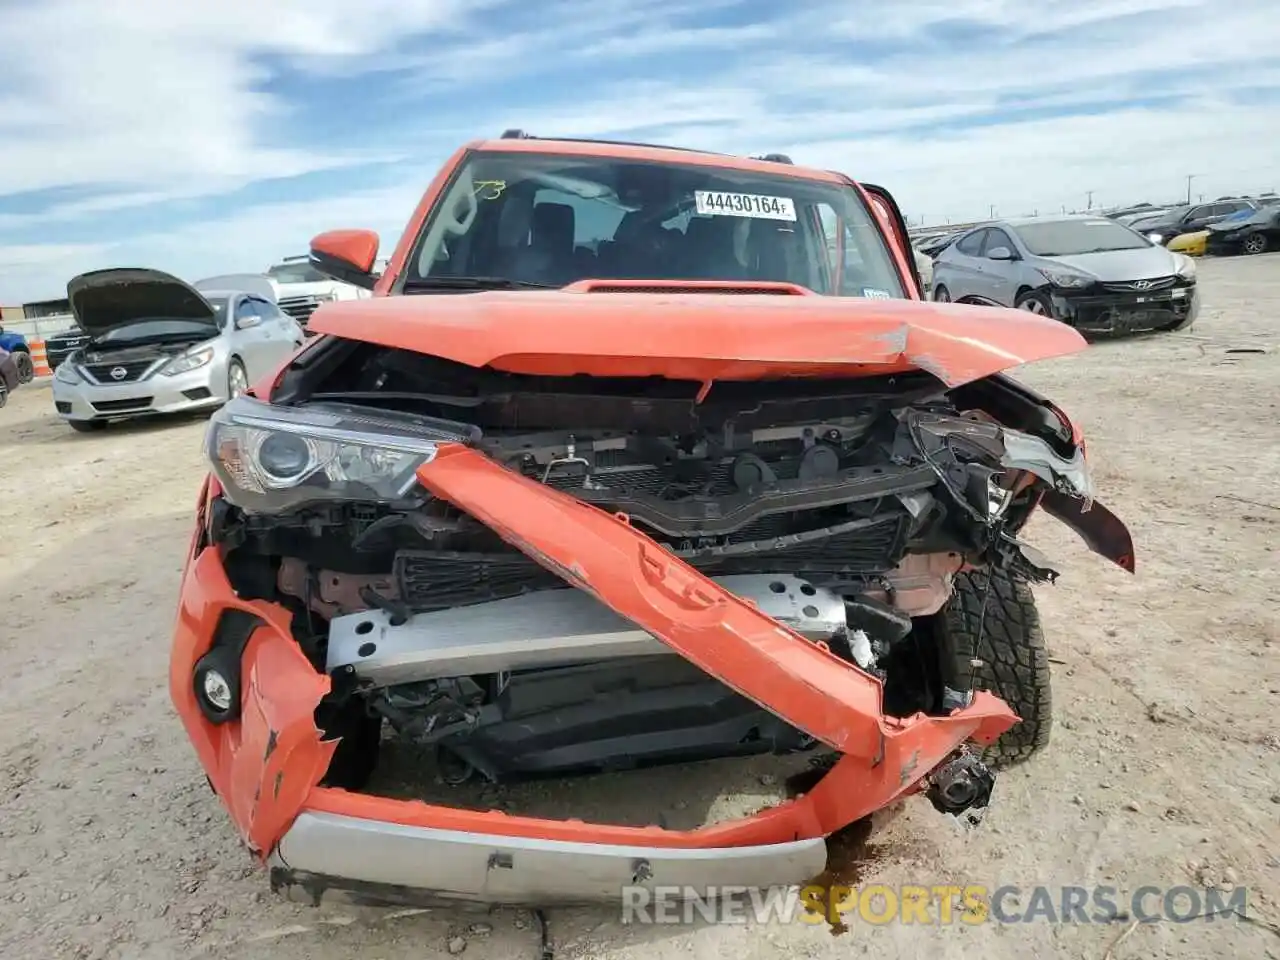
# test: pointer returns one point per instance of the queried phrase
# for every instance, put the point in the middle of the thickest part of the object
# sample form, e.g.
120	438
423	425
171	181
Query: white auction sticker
717	204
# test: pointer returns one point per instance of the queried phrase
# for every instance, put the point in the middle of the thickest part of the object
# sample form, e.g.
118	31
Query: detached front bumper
1129	311
157	394
266	766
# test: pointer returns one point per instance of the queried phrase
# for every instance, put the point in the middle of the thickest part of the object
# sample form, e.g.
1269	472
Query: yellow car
1192	244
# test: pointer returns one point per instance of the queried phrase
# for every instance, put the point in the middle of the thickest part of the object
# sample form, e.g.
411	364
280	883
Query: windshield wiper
475	283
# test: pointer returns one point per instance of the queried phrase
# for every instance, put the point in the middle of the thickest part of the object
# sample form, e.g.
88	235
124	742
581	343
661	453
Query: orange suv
635	456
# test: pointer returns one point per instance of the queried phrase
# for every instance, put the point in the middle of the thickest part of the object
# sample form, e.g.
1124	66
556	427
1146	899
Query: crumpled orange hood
701	336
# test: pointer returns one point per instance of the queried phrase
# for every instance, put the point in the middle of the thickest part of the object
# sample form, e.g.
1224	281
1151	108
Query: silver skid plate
544	629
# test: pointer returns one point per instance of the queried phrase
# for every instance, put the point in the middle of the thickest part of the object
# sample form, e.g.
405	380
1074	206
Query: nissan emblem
119	373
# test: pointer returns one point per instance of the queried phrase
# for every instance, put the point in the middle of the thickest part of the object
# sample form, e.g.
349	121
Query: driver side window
246	313
971	245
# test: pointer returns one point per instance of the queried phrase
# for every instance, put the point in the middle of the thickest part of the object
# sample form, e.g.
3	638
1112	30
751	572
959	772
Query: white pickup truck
300	288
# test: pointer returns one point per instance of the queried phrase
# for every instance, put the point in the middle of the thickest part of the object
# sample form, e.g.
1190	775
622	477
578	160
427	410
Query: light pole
1190	177
1089	195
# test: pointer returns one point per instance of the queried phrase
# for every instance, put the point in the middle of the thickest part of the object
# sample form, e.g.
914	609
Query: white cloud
152	101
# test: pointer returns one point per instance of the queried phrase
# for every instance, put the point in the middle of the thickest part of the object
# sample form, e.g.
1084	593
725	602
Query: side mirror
1000	253
244	323
347	256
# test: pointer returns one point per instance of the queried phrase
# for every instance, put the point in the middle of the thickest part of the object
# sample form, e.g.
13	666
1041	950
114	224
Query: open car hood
701	331
106	299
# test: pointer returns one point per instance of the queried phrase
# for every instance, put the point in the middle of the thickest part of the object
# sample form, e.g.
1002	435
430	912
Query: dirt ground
1164	767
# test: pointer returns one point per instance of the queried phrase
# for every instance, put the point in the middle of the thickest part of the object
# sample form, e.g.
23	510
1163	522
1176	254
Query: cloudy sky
204	137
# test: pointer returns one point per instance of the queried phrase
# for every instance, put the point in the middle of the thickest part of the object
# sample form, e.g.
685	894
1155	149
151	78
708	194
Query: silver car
159	345
1090	272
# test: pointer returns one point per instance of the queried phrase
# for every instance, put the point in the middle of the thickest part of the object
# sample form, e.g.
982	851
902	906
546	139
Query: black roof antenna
515	133
775	158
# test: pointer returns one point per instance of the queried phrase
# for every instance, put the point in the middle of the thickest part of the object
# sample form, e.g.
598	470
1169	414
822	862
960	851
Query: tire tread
1015	660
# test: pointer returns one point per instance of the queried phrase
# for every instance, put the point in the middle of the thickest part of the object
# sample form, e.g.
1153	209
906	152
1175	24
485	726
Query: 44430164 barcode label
718	204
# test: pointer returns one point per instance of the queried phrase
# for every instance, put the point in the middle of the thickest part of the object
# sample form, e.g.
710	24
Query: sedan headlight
1186	267
192	360
1067	280
272	458
67	373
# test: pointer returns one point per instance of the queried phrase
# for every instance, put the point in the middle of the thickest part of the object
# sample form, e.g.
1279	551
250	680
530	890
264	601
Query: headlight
1186	267
67	372
1067	281
193	360
272	458
1156	237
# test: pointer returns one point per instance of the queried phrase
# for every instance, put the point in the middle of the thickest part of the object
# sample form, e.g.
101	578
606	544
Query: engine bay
844	509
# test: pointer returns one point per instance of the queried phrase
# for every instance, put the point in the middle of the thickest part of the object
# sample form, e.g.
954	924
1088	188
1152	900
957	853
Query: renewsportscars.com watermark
970	904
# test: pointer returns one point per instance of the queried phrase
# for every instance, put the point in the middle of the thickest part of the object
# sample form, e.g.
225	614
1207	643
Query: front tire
1254	243
1009	642
237	379
26	368
941	295
87	426
1036	303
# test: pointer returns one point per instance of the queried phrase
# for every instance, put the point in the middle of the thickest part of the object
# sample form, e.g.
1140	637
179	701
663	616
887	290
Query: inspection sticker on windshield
715	203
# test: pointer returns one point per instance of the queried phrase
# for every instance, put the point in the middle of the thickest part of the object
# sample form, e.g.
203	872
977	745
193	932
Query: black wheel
4	395
1254	243
26	369
87	426
941	295
237	379
1014	660
1036	303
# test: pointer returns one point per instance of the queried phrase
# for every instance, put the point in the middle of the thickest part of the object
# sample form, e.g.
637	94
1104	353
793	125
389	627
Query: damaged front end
551	577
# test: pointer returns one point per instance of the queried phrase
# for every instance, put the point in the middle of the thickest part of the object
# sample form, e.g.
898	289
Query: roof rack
517	134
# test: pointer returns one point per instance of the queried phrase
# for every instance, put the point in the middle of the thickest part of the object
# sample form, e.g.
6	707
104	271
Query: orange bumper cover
267	765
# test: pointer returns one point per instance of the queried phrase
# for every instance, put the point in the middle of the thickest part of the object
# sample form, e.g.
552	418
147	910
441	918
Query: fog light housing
216	683
217	691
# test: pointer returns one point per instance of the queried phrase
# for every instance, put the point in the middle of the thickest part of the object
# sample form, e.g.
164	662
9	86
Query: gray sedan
158	345
1090	272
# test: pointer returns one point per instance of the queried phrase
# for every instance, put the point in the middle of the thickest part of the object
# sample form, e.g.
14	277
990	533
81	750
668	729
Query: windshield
301	272
164	329
547	219
1065	238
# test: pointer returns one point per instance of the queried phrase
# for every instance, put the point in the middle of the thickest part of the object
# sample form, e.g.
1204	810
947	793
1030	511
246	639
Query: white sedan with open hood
160	345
